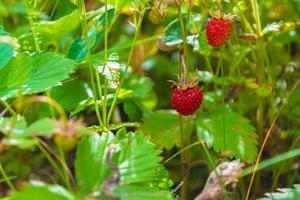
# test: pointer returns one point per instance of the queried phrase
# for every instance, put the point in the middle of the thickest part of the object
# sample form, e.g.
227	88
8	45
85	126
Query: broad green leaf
39	190
166	136
23	143
130	192
14	127
143	95
78	49
6	53
161	179
132	110
42	127
55	31
90	164
172	34
135	166
34	73
65	95
18	134
240	137
7	44
284	194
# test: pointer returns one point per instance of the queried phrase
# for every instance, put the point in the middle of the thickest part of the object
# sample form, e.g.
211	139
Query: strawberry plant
149	99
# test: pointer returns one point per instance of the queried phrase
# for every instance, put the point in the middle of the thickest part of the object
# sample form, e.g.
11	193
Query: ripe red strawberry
218	31
186	101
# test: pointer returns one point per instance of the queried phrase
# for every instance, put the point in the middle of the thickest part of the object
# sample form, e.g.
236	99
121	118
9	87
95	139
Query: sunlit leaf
18	134
166	136
135	166
240	137
34	73
90	163
284	194
6	53
65	95
54	31
141	193
38	190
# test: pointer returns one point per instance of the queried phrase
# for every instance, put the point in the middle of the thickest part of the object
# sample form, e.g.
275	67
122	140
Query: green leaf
90	163
65	95
55	31
204	47
136	166
166	136
39	190
142	92
13	127
78	49
43	127
18	134
23	143
132	110
172	34
240	137
284	194
130	192
34	73
6	53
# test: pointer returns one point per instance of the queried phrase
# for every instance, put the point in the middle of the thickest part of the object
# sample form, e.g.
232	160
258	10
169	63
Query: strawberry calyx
185	85
221	15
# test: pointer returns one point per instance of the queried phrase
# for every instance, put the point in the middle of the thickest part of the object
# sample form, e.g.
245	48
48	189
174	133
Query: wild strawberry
66	135
218	31
186	101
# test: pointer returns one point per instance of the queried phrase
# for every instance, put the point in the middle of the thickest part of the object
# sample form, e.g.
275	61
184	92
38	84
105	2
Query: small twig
178	187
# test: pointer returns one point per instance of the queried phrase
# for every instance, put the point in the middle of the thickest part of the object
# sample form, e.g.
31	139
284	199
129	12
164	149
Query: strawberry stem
185	70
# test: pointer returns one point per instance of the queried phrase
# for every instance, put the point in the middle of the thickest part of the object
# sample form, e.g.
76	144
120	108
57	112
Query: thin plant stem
52	112
137	27
183	34
54	8
182	150
104	114
223	98
9	108
282	165
266	139
93	73
59	159
32	24
7	180
53	163
256	15
184	170
65	168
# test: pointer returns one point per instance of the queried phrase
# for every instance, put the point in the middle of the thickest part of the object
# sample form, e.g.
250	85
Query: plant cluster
149	99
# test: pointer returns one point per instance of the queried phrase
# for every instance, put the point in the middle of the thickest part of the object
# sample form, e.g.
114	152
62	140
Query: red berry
218	31
186	101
